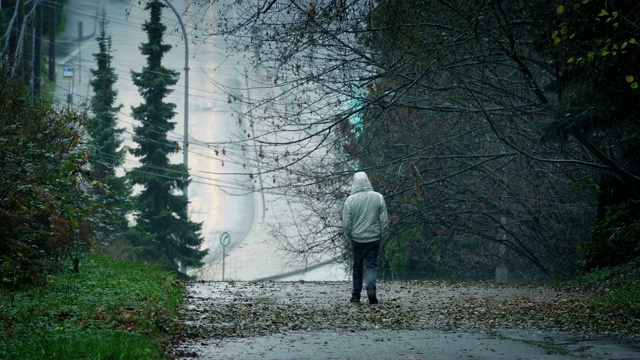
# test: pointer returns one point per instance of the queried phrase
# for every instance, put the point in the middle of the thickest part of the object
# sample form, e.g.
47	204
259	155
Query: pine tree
164	233
105	143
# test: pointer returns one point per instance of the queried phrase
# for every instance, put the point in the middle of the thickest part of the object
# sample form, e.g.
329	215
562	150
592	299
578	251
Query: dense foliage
513	109
44	213
459	147
593	99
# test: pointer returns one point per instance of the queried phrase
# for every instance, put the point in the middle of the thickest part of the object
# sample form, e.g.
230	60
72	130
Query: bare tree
446	103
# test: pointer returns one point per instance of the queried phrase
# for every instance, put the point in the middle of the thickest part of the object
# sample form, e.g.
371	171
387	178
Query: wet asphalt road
415	345
414	321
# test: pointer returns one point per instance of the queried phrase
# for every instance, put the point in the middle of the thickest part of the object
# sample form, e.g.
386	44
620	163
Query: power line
128	119
129	166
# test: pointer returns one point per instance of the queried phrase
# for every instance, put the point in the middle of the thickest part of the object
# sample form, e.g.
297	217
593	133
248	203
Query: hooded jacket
364	215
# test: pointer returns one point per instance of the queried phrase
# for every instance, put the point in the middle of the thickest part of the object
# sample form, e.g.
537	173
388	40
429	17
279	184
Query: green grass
110	310
618	289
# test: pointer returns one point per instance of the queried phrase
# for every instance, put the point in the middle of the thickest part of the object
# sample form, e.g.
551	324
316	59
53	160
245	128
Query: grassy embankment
110	310
618	290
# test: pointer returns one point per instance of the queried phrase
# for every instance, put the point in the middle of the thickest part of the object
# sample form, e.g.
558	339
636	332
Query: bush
616	238
41	200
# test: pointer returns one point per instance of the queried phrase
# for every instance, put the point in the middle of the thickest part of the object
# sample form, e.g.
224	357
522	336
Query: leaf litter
220	310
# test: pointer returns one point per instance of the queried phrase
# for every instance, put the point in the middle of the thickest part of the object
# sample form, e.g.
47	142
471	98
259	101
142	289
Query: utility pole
37	51
18	47
185	144
501	271
79	51
52	42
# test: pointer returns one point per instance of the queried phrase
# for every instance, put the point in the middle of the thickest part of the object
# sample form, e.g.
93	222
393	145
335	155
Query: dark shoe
371	294
355	299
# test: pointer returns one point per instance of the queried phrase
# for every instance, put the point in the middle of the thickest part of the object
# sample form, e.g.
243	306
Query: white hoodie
364	215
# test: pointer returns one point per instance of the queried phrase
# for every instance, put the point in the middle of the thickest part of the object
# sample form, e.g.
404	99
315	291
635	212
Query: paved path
414	320
418	345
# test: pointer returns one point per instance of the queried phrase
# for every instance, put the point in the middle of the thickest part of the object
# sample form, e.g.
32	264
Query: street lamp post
185	144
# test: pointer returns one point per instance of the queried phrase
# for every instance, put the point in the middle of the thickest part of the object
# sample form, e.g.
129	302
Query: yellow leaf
629	79
560	9
312	10
632	41
571	60
603	12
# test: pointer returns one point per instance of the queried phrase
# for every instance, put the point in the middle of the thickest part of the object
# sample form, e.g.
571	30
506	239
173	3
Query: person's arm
347	222
384	219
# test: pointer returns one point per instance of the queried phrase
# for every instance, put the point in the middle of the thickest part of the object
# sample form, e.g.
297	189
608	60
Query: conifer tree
164	233
105	143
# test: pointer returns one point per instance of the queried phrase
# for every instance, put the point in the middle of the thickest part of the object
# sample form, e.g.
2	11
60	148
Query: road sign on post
225	240
67	73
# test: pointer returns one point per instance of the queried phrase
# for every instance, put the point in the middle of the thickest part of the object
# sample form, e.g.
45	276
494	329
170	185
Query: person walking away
365	223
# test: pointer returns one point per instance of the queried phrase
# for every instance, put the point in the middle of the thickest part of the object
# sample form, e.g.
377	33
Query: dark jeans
364	252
